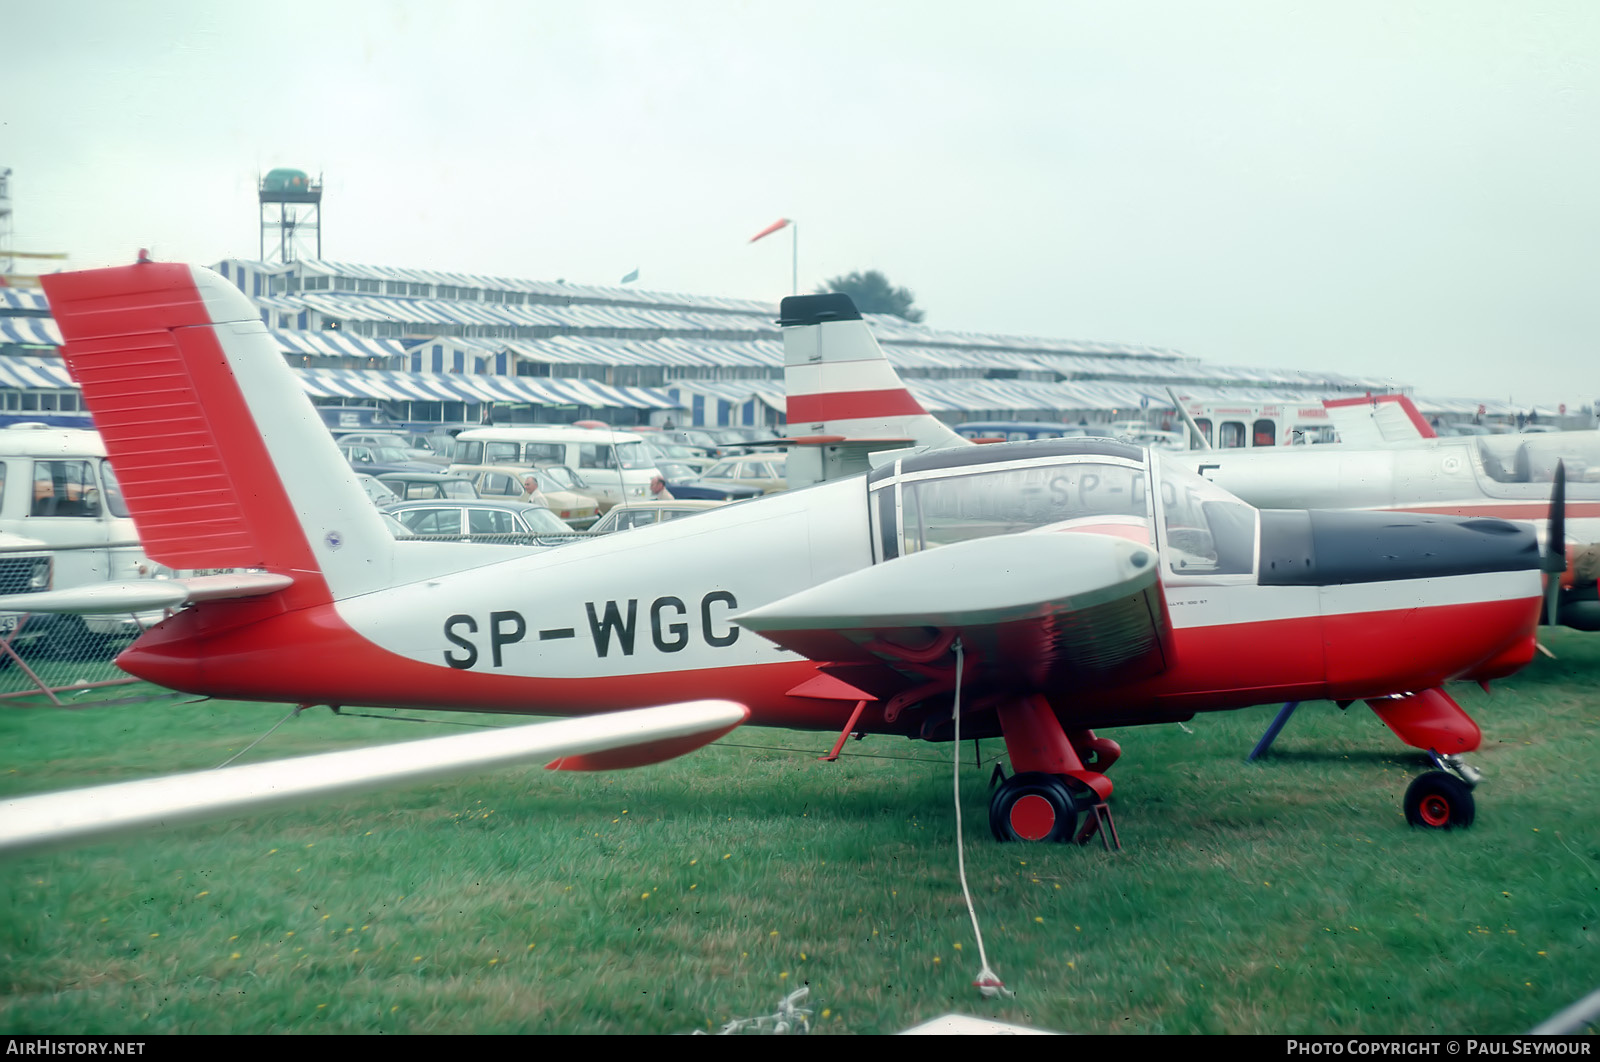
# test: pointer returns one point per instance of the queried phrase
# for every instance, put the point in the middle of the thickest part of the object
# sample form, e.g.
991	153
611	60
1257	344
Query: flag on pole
770	229
631	277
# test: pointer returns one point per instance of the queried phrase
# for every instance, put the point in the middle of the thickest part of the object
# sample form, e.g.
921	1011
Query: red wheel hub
1033	817
1435	810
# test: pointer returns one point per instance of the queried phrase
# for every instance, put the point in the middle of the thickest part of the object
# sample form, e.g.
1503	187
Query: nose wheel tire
1439	801
1033	807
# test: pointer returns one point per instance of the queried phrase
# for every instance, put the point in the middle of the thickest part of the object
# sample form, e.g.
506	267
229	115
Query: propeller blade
1555	545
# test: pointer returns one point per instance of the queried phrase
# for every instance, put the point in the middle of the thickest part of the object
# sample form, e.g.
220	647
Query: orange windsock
770	229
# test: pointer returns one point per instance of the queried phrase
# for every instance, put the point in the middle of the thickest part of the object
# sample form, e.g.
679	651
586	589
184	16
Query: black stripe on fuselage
1327	547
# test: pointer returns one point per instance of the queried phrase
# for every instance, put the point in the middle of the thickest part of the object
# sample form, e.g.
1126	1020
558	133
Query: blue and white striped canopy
30	331
464	387
22	299
336	344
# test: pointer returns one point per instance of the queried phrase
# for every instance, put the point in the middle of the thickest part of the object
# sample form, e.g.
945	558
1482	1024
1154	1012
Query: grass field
1287	896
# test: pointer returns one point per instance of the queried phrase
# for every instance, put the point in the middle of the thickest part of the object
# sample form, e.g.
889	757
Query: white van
57	489
614	464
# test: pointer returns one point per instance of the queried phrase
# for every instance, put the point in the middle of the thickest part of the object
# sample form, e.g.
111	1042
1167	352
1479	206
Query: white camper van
614	464
57	490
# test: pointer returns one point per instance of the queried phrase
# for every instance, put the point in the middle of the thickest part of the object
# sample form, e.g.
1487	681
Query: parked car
376	459
379	492
416	447
695	437
642	514
482	517
566	494
354	418
678	453
683	482
426	486
764	471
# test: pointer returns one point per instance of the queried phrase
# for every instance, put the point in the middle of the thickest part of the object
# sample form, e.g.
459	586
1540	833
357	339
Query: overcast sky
1404	190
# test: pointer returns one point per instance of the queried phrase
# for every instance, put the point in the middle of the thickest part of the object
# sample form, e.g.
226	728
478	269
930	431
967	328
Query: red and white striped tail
221	456
840	384
1376	421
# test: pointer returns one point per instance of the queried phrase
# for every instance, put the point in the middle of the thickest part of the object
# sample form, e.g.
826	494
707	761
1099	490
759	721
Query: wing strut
844	735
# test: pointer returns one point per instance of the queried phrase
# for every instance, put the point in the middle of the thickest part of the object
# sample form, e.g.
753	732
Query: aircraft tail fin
840	384
221	457
1376	421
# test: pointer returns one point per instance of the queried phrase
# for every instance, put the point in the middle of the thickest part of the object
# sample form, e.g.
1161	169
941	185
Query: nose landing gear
1442	799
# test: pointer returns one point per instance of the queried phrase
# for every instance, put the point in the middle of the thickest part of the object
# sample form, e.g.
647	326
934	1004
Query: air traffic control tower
291	203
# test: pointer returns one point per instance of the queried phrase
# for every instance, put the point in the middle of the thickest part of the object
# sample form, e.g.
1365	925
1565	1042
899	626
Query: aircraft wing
1040	611
79	816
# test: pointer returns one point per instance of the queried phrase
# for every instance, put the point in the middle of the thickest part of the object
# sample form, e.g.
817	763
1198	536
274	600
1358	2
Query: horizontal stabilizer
79	816
146	595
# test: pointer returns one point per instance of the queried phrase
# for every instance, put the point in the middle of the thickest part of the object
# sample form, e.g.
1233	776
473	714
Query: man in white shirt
531	493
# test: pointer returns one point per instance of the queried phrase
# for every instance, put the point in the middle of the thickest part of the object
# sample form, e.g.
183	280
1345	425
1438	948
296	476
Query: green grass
1287	896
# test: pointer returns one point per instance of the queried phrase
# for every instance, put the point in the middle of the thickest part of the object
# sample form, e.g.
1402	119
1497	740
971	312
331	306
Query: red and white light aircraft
1039	589
846	402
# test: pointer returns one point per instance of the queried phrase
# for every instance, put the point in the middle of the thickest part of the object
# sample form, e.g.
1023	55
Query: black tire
1439	801
1033	807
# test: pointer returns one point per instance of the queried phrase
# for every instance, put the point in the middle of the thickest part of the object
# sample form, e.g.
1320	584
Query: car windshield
543	521
561	477
675	473
387	453
633	455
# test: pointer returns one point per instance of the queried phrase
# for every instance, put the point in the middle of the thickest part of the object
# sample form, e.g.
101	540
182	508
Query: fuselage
1507	477
645	617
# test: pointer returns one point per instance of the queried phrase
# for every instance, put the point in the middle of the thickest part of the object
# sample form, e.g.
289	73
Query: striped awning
30	331
34	374
462	387
21	299
336	344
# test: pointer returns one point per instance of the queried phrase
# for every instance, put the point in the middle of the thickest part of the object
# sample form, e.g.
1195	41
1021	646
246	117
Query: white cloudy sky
1405	190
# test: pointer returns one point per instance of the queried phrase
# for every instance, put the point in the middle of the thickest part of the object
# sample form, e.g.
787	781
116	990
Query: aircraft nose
1319	547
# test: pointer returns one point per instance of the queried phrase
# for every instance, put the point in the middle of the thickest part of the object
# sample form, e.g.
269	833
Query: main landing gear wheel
1033	807
1439	801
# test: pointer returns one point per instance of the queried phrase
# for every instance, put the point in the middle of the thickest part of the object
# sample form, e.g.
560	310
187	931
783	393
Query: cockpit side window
958	504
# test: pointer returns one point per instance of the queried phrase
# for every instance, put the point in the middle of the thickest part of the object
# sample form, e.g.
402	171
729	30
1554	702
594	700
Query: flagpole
794	276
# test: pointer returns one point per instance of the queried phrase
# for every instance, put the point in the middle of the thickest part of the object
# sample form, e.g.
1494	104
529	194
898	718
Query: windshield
562	477
675	473
1078	492
114	500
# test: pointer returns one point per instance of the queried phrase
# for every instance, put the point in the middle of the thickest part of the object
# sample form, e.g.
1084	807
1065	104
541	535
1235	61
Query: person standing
531	493
658	490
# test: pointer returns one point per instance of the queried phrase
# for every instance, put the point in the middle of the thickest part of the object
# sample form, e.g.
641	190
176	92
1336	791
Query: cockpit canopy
1533	458
1061	485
